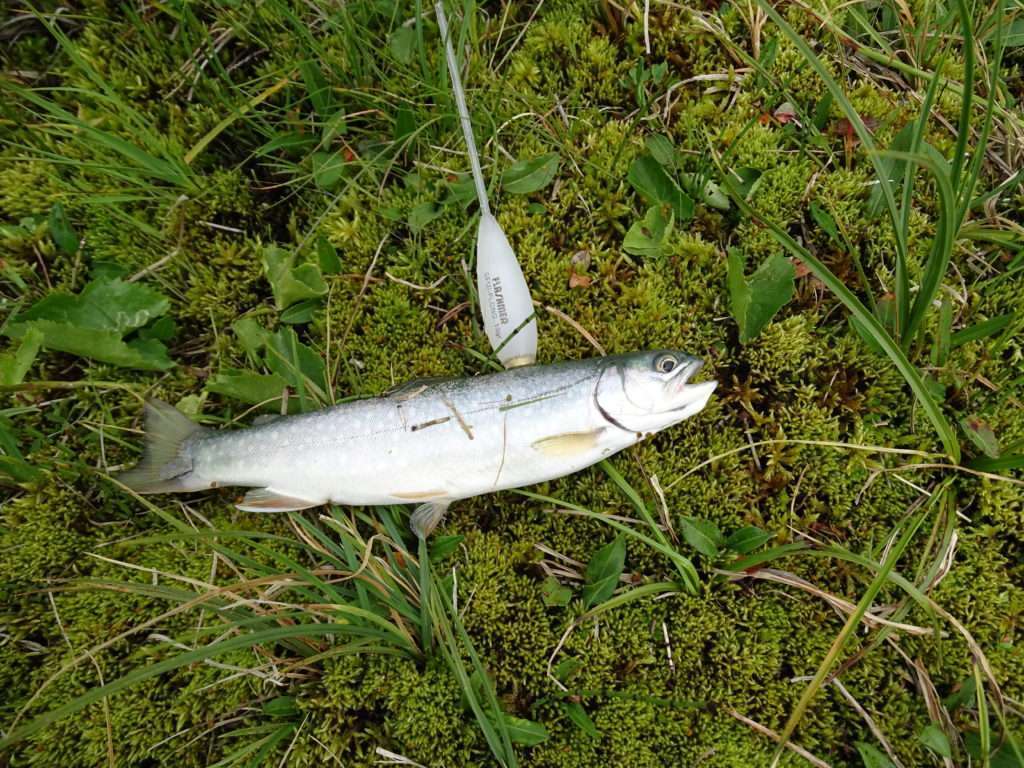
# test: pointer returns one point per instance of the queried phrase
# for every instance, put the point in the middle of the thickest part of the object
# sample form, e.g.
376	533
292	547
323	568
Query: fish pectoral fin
426	517
568	443
269	500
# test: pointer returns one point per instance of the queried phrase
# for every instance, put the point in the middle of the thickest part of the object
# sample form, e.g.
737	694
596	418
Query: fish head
649	391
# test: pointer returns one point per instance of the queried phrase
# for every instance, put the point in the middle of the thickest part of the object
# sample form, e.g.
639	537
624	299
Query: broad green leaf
299	365
579	716
423	214
105	346
655	185
705	190
327	256
328	168
247	387
403	44
746	181
702	535
105	305
746	540
660	148
871	757
290	283
981	435
523	731
300	313
754	300
442	546
281	706
645	237
933	737
161	329
554	593
252	336
526	176
566	668
61	231
603	572
824	220
14	365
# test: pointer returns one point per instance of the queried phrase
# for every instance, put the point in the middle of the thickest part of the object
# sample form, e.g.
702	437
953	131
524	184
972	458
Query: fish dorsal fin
427	516
568	443
269	500
414	388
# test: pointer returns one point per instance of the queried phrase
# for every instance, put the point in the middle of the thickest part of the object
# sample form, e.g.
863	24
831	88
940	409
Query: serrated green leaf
289	283
603	572
526	176
646	237
579	716
655	185
747	539
61	231
105	346
754	300
15	365
103	305
702	535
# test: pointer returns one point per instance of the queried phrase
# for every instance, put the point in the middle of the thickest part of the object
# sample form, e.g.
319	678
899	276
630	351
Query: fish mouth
690	398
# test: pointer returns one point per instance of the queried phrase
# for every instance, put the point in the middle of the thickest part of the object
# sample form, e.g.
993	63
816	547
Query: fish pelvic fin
426	517
166	463
269	500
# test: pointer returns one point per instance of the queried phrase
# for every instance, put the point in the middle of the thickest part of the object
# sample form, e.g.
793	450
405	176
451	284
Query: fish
429	442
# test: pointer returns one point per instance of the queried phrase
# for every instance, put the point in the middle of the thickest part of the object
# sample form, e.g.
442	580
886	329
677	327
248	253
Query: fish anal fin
568	444
269	500
426	517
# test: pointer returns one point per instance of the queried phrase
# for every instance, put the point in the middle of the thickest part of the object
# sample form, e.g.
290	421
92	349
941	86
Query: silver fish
431	441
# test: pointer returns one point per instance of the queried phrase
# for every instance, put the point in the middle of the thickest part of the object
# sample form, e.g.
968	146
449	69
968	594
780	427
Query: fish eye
665	364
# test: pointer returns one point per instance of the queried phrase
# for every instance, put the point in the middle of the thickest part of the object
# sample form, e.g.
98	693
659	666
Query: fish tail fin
166	465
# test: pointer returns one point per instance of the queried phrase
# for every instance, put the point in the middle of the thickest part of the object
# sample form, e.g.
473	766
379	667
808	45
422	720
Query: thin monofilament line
460	103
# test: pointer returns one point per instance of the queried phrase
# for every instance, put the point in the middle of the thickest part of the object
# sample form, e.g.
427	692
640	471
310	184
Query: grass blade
913	378
852	622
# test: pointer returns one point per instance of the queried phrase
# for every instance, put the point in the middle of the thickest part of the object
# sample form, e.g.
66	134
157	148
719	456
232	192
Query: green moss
661	679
